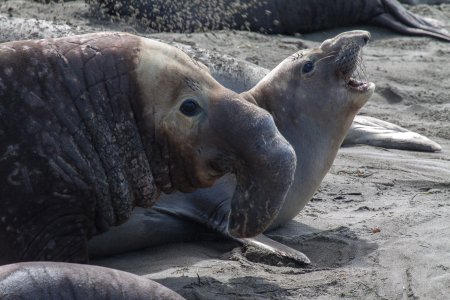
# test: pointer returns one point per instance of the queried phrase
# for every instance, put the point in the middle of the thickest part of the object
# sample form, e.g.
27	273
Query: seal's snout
366	38
348	59
349	63
263	163
360	37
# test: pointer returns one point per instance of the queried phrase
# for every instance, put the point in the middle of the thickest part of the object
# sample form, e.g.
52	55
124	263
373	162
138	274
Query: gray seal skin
313	99
56	280
93	125
272	16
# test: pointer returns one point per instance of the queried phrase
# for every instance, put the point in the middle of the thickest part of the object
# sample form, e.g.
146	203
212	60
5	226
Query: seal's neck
316	140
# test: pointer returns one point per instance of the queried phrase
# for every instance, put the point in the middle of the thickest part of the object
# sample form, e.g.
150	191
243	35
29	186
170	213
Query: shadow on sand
326	249
247	287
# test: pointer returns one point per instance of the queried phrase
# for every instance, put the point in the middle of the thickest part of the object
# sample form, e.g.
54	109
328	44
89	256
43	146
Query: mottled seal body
53	281
272	16
94	125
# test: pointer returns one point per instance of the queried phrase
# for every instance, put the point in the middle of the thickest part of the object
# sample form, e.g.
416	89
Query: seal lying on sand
313	99
92	126
272	16
55	281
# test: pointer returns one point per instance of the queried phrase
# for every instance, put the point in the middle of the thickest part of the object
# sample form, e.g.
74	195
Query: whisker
363	67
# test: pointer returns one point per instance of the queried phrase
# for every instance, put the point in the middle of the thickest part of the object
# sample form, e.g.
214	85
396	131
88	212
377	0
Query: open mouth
351	67
358	85
354	78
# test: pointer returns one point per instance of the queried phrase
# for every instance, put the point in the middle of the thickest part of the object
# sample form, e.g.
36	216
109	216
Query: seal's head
313	96
196	131
320	81
344	51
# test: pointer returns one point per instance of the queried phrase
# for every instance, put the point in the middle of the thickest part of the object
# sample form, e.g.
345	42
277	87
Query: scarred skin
272	16
54	281
92	126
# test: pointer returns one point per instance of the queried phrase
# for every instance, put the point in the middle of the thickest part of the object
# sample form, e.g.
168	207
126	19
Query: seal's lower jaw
358	86
359	91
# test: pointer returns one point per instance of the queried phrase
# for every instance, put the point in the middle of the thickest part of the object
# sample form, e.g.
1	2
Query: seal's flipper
273	252
401	20
371	131
147	228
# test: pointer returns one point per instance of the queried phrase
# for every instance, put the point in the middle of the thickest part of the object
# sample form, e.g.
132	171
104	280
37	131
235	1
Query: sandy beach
379	226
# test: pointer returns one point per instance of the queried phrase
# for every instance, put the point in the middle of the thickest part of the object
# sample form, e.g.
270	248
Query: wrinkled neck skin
122	175
316	140
169	168
158	151
83	86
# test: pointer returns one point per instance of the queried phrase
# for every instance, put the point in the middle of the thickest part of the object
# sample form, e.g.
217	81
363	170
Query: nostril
366	40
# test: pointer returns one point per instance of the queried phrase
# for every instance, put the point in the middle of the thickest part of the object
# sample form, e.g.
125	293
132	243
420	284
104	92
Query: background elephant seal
417	2
272	16
54	281
313	98
94	125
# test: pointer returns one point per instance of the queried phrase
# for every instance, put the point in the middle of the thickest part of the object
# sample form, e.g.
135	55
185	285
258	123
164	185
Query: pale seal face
344	51
320	82
313	96
177	92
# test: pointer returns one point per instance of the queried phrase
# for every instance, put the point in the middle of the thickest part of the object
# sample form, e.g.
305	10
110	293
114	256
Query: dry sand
378	228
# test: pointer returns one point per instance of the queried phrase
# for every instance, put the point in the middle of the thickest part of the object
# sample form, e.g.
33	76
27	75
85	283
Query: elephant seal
272	16
430	2
56	280
93	125
313	99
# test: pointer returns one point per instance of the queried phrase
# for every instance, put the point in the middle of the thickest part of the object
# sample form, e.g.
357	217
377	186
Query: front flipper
147	228
178	217
401	20
263	249
371	131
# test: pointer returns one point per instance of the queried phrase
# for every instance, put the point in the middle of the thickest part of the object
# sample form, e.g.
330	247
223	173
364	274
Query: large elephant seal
272	16
313	99
55	281
92	126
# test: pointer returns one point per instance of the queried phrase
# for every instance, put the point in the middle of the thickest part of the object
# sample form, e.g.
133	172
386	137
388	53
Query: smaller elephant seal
272	16
55	281
93	125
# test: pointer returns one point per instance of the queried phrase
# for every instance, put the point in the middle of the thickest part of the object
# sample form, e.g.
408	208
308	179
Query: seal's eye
308	67
190	108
